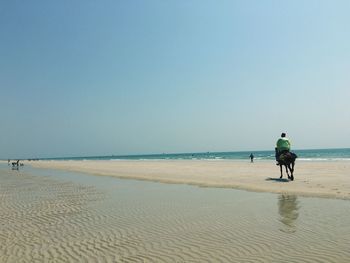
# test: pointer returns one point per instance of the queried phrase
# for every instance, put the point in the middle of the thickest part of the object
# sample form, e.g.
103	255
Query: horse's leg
292	171
286	165
281	171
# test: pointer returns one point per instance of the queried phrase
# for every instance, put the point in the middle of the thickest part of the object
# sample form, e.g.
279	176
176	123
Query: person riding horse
284	157
282	147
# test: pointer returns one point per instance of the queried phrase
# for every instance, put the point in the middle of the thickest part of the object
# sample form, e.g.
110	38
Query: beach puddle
54	216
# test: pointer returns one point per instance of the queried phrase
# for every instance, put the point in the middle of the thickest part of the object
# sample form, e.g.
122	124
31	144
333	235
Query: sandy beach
57	216
320	179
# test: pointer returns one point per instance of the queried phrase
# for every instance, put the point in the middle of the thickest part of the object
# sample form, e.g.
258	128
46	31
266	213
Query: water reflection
288	206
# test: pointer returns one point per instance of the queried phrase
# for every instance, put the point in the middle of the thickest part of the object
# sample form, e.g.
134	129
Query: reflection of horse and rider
284	156
288	206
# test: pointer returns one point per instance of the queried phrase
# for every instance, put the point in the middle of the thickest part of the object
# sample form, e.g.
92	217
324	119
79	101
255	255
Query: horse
288	160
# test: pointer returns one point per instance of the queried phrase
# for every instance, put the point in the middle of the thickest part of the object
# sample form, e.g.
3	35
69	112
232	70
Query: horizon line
164	153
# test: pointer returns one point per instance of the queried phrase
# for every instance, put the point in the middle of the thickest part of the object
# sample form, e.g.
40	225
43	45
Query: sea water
306	155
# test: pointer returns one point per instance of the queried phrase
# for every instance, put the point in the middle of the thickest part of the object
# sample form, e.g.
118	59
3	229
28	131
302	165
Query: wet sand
56	216
320	179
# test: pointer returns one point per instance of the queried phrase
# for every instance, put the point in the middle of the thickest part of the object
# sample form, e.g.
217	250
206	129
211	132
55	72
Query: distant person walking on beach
282	146
251	157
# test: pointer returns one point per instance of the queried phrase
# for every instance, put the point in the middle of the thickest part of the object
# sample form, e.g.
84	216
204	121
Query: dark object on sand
15	163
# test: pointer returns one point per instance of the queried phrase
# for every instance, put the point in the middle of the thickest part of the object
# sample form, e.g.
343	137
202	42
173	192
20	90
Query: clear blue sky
128	77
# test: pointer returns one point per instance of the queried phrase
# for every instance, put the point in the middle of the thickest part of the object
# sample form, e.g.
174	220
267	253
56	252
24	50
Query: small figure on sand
251	156
15	163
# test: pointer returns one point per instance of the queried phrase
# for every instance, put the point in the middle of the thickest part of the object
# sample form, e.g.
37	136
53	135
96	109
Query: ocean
305	155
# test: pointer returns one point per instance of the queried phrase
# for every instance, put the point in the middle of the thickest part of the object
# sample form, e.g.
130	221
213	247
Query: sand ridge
320	179
47	217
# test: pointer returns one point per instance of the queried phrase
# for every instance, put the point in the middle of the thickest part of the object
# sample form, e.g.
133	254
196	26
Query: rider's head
283	134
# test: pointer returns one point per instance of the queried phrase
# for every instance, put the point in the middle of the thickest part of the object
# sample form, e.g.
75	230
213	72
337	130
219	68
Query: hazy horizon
89	78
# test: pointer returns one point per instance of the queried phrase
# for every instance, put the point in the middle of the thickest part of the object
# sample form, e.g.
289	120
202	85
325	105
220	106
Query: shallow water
59	216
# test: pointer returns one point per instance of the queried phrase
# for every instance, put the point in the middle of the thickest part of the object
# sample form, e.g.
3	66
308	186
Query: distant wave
324	159
303	155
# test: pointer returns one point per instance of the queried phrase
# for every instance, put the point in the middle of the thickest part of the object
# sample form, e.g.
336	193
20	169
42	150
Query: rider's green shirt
283	144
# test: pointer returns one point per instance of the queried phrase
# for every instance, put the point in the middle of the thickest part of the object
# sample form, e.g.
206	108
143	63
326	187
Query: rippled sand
49	216
322	179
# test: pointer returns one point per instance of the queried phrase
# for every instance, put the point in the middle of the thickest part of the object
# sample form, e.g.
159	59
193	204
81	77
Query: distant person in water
251	156
282	146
